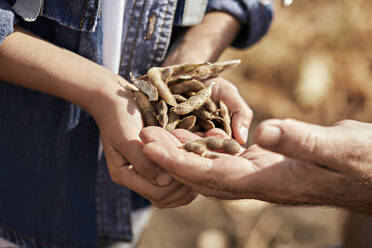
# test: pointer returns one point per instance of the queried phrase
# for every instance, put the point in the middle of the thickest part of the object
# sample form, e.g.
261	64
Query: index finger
188	167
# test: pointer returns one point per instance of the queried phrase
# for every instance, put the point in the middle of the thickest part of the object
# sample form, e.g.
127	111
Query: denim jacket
48	147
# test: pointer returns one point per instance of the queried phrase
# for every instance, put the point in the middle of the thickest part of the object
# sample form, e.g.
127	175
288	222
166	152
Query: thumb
298	140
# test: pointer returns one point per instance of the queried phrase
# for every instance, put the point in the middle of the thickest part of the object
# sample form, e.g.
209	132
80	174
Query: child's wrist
106	95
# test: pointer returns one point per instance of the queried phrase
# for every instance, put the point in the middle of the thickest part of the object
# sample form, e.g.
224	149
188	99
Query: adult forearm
31	62
205	41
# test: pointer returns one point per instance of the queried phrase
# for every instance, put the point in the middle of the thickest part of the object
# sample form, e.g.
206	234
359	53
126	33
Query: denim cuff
255	15
7	20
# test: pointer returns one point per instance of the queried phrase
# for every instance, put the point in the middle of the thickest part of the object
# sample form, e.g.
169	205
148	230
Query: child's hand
120	122
242	115
59	72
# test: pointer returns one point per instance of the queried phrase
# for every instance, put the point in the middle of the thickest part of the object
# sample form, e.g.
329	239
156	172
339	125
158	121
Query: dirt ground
314	65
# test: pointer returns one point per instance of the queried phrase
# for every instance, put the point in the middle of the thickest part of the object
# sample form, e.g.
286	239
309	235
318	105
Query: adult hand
119	120
319	166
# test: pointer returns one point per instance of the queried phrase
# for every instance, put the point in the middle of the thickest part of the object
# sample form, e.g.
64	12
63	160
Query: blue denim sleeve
7	20
256	16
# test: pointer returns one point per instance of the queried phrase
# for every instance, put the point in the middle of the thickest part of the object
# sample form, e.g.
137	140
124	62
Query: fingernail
244	133
269	136
163	179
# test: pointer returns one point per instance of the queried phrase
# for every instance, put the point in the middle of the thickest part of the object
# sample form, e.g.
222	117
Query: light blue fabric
7	20
255	15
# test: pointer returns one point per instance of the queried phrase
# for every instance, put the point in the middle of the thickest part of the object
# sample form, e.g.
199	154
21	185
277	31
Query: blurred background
315	64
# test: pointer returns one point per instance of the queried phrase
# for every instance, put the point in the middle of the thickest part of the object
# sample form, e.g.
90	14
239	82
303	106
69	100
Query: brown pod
146	87
210	106
204	114
226	117
156	78
162	110
166	73
180	98
231	146
194	102
220	144
191	94
187	123
206	124
213	143
212	70
146	108
219	120
181	71
186	87
195	147
173	120
195	128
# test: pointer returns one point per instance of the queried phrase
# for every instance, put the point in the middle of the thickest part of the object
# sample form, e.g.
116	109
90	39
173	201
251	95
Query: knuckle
309	142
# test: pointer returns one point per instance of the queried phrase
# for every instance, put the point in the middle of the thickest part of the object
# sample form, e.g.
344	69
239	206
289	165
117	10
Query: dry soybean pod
179	71
212	70
201	149
204	114
210	106
194	102
206	124
166	73
195	128
155	75
146	87
195	147
146	108
162	110
173	120
180	98
187	123
226	118
220	144
213	143
230	146
187	86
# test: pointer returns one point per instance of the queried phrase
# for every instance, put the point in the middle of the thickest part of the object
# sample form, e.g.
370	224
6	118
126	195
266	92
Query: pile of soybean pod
177	97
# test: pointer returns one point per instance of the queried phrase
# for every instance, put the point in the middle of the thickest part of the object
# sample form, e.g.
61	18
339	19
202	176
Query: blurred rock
264	231
212	238
246	207
315	80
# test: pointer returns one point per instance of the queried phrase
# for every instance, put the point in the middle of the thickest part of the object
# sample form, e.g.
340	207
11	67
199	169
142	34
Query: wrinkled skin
293	163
